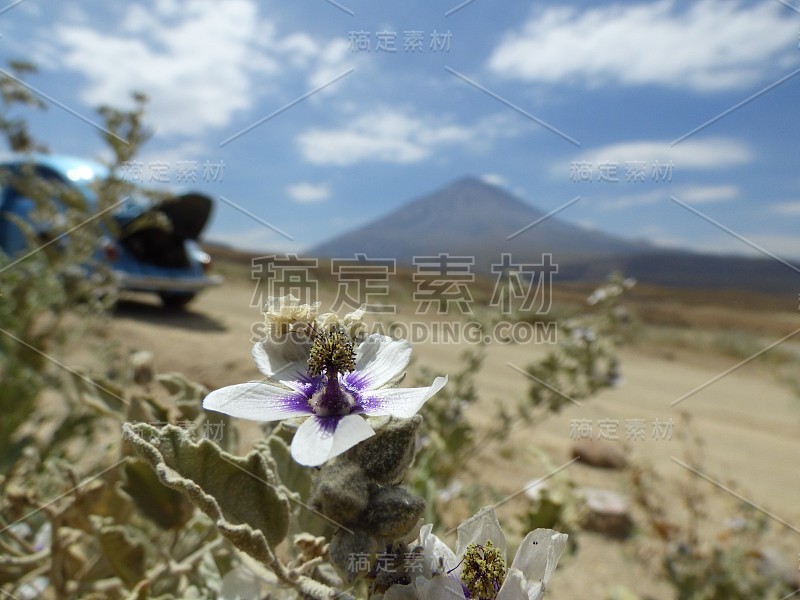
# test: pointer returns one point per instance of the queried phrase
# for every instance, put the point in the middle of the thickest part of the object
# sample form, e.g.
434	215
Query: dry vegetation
747	420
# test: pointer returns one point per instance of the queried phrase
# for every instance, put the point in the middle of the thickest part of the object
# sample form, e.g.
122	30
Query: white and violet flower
477	570
320	373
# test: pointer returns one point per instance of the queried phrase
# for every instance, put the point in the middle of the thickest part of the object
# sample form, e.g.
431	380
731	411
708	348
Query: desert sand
748	420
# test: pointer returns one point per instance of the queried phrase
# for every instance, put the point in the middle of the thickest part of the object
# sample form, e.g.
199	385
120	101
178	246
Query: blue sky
551	100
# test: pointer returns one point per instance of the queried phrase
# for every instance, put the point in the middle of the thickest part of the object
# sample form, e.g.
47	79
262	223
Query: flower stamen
484	571
332	353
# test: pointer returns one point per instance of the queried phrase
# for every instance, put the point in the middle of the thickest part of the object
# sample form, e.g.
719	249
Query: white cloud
706	194
695	194
300	48
333	59
791	209
200	63
195	64
305	192
495	179
705	45
782	245
396	137
710	153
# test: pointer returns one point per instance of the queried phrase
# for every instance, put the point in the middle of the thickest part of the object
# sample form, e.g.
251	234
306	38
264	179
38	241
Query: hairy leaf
100	394
126	557
239	493
167	507
186	394
290	473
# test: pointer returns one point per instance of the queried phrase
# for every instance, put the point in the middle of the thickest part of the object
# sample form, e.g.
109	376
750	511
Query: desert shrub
137	492
705	554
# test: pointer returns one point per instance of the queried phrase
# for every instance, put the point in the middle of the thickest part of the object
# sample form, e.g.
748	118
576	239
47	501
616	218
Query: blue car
154	246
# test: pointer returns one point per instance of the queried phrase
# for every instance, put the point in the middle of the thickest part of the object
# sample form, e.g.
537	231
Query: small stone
143	367
775	564
608	512
600	454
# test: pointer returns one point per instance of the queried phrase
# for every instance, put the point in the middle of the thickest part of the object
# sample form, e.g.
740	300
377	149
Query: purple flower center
331	400
331	353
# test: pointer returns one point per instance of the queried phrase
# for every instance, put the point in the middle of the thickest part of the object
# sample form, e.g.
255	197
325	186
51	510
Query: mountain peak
469	181
468	194
470	184
471	217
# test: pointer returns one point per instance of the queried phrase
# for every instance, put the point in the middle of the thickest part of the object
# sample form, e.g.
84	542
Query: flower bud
393	512
341	492
389	453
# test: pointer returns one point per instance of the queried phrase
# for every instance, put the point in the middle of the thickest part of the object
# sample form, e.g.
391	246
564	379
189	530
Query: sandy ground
748	420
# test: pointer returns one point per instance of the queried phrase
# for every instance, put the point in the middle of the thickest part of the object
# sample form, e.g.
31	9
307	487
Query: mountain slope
473	218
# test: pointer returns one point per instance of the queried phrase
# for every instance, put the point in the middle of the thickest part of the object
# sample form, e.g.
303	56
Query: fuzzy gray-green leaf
234	491
167	507
186	394
126	557
291	474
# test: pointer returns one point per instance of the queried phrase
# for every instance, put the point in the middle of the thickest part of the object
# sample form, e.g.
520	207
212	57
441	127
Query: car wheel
176	299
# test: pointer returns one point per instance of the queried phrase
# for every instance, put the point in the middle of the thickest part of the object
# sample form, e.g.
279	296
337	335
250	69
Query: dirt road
749	423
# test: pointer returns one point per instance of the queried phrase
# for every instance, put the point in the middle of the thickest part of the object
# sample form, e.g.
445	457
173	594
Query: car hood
184	216
189	214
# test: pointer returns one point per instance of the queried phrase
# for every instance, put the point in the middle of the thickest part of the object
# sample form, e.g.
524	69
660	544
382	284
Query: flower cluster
478	570
615	287
320	368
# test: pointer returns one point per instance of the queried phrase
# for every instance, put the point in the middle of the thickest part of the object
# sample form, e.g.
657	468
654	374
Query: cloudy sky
672	120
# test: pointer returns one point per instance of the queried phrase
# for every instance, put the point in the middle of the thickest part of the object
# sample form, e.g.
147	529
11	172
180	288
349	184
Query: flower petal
400	592
513	587
283	357
442	587
536	590
381	360
538	554
479	529
437	557
306	385
399	402
319	439
258	402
